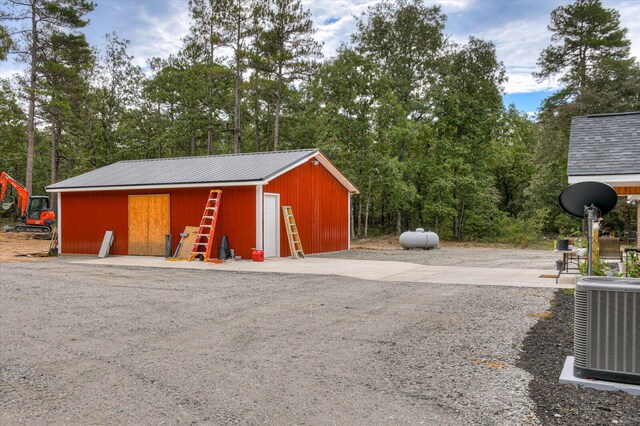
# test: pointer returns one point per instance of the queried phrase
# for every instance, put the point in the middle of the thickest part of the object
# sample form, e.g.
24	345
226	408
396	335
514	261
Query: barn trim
59	222
163	186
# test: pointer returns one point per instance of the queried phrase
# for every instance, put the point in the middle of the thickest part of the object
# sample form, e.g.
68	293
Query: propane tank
419	239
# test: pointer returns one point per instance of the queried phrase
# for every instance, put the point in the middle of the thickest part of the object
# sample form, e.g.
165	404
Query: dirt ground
17	246
94	345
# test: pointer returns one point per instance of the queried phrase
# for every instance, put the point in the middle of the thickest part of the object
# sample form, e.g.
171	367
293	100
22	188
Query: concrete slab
567	378
363	269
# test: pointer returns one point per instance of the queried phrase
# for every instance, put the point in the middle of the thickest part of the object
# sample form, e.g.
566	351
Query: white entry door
271	225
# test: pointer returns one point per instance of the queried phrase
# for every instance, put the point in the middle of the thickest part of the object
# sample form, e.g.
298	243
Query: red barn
163	196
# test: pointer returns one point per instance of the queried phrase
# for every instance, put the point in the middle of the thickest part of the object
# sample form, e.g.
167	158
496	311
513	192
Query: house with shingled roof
606	148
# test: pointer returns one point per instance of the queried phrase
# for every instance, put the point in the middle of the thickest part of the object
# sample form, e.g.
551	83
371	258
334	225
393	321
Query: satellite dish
576	197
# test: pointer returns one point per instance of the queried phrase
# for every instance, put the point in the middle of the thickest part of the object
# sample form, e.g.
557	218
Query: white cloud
518	44
451	5
159	35
630	19
9	68
335	19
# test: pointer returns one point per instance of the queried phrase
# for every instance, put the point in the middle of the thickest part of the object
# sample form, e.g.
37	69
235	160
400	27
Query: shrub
633	265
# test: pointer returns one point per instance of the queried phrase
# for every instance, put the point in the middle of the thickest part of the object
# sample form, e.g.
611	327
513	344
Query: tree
404	38
285	48
118	88
5	42
467	105
587	34
13	126
350	91
65	59
590	55
512	159
227	24
42	18
200	49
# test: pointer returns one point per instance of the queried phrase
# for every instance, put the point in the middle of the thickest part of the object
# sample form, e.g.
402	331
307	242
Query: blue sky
517	27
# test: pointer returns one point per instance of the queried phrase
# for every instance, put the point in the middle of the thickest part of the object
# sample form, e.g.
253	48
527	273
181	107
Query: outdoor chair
630	238
610	248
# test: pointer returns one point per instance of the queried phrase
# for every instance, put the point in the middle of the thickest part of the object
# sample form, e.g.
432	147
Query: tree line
414	119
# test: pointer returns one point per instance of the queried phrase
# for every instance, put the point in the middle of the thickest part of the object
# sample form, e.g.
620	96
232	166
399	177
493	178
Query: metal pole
590	218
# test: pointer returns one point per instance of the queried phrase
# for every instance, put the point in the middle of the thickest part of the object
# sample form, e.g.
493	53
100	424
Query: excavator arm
23	195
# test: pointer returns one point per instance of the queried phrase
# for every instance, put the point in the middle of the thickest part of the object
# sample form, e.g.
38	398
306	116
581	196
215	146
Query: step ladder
295	245
203	244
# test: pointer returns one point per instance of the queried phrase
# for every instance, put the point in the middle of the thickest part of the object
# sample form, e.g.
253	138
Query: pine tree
118	88
36	21
590	54
65	59
227	24
286	49
5	42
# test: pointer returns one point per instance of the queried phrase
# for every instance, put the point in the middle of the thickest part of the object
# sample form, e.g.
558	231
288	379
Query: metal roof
250	168
605	144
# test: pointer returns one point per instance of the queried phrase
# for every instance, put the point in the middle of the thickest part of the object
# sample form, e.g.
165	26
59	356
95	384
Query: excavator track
31	228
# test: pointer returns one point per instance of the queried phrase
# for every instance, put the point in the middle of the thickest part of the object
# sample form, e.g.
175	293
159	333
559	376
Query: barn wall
320	207
85	216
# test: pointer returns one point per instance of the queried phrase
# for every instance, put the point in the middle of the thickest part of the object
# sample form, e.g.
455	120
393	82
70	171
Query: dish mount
588	200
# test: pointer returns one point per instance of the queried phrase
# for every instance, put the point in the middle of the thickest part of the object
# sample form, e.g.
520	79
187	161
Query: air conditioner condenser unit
607	329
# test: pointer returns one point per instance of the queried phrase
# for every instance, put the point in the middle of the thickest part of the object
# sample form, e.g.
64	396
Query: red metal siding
320	206
85	216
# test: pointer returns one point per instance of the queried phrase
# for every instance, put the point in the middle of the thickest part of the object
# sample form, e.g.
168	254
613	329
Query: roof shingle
606	144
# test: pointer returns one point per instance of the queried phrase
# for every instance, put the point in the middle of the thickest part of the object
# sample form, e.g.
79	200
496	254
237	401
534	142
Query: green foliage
512	163
523	231
404	37
600	268
13	126
284	51
588	35
622	218
632	264
5	42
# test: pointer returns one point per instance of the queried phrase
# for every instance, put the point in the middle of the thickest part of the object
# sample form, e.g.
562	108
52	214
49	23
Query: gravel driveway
85	345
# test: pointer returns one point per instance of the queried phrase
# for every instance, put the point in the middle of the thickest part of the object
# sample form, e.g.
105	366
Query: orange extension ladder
202	245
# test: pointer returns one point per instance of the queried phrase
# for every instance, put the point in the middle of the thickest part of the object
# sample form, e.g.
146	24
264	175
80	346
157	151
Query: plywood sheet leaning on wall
187	242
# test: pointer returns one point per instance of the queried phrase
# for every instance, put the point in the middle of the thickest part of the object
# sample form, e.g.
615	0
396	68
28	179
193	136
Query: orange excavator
35	214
